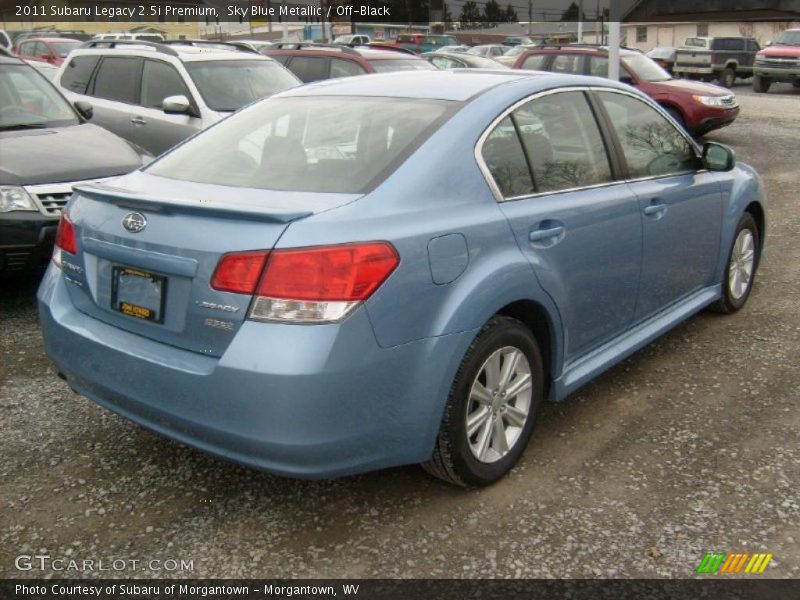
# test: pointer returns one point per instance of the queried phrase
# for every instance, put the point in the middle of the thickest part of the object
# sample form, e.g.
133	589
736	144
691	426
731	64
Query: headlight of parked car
722	101
13	197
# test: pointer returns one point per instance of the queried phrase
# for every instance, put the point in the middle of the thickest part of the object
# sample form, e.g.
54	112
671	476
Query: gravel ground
689	446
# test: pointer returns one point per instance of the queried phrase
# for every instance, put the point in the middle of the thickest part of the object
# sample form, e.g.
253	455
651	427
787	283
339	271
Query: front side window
228	85
651	144
118	79
78	72
159	81
310	144
562	142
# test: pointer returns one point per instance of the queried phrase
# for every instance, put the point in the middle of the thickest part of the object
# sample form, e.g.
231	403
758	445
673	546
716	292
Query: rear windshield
402	64
308	144
696	42
228	85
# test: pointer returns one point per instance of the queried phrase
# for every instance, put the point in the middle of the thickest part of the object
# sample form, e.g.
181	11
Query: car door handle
548	231
655	209
138	121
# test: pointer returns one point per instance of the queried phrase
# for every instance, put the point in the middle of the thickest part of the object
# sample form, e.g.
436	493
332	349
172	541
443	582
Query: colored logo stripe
722	562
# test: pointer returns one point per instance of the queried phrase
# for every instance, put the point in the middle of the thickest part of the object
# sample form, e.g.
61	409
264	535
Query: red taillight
349	272
238	272
65	235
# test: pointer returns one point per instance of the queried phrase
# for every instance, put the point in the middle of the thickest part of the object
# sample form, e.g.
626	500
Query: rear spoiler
181	205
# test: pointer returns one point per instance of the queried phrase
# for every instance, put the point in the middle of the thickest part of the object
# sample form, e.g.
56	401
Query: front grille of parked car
51	198
786	63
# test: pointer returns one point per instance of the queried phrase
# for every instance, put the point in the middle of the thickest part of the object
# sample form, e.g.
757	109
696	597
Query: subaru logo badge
134	222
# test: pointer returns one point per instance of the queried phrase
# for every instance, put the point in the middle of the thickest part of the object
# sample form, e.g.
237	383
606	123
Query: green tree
493	13
572	12
511	15
470	14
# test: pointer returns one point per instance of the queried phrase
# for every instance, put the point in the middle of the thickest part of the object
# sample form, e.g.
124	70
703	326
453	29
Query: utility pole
580	21
530	17
613	41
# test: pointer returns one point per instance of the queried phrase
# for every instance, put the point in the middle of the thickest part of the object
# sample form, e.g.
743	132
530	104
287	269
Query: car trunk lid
148	247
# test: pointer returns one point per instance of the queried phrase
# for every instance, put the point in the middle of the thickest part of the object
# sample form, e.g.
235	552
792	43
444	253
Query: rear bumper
693	70
305	401
26	241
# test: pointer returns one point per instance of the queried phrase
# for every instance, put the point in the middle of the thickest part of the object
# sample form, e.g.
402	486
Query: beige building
646	36
170	29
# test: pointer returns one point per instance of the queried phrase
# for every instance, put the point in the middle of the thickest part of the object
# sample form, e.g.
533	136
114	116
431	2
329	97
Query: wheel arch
757	212
538	321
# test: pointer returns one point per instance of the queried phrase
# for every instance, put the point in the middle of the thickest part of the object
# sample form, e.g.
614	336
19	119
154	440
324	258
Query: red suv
50	50
778	62
699	107
312	62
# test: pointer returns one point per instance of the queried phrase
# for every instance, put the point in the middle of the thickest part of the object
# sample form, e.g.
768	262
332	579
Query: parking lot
689	446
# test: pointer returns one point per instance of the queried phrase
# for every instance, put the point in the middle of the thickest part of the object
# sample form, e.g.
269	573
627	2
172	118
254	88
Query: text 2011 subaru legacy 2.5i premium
394	269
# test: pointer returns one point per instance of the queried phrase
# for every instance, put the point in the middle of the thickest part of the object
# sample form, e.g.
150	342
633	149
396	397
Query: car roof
456	85
343	51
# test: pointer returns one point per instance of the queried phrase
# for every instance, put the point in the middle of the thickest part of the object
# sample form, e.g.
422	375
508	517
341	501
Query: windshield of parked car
402	64
645	68
228	85
662	53
789	38
308	144
61	49
28	101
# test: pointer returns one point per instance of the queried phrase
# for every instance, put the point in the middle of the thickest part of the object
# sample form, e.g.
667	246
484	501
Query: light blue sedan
394	269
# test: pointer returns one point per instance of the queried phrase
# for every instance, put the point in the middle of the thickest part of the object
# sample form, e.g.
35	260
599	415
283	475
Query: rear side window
567	63
504	156
160	80
118	79
345	68
78	72
651	144
535	61
309	68
310	144
562	142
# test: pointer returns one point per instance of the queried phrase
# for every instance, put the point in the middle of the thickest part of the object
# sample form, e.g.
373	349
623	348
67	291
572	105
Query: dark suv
698	107
721	58
46	147
313	62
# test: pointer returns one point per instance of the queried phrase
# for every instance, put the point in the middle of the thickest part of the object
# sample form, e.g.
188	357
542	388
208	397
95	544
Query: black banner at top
452	14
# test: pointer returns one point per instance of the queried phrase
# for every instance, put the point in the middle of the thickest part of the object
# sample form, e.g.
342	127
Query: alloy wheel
740	269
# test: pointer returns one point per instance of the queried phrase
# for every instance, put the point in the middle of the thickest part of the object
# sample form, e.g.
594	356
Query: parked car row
155	95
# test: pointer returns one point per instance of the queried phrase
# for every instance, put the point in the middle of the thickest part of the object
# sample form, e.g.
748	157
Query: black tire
761	84
730	303
727	77
453	460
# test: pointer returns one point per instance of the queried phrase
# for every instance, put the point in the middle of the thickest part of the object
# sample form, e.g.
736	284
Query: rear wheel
742	265
727	77
761	84
492	406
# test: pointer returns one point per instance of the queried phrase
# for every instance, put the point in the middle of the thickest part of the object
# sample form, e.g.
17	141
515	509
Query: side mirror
718	157
177	105
84	109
